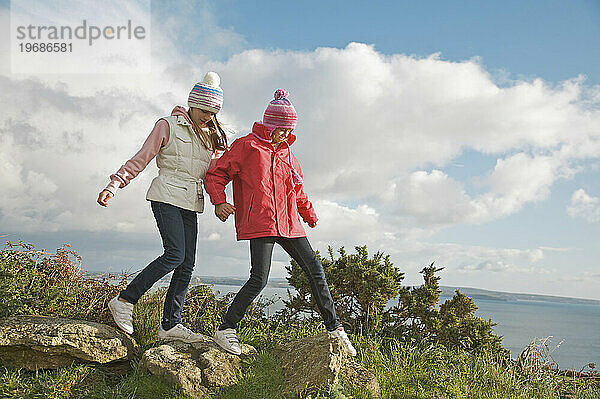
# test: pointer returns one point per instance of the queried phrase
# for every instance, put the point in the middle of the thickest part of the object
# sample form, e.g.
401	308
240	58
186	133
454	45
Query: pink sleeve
157	138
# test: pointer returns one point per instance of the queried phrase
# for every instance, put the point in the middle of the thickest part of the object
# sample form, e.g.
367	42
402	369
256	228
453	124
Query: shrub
52	284
415	316
454	325
460	328
362	287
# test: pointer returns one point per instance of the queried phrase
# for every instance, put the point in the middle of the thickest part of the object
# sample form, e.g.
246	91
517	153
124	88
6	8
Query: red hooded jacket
267	200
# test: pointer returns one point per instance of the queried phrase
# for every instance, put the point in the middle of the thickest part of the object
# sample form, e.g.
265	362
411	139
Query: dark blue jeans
178	229
300	250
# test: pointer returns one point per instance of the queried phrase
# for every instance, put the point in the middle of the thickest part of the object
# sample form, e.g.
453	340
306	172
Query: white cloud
559	249
585	276
516	181
375	135
368	122
499	266
472	257
584	206
63	135
436	199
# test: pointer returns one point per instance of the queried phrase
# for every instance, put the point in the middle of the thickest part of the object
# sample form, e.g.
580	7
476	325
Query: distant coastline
235	281
475	293
478	293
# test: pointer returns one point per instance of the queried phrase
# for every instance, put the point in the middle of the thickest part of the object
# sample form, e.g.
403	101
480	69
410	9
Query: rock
318	361
40	342
219	368
177	368
195	367
311	362
357	375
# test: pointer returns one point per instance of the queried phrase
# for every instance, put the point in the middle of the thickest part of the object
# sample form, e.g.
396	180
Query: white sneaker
227	340
341	334
121	313
179	333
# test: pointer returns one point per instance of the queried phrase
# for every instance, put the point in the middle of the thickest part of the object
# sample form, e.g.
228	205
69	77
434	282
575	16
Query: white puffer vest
182	164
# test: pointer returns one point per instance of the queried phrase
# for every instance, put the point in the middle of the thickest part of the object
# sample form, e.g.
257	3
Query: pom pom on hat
207	95
280	93
211	79
280	112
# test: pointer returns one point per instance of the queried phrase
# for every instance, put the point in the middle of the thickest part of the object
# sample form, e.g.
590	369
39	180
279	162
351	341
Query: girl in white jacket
184	144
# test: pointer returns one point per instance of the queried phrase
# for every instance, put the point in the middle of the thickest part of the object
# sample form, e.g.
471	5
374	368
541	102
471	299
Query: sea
571	331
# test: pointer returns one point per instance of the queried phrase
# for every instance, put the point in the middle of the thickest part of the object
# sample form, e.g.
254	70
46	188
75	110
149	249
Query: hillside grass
404	370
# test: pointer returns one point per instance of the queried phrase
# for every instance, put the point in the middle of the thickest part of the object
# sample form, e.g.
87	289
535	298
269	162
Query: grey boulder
318	361
41	342
196	367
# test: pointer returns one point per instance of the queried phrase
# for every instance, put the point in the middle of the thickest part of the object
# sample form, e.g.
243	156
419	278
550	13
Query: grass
84	381
403	370
262	378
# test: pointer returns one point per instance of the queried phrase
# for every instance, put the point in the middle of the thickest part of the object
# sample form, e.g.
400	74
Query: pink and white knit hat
207	95
280	112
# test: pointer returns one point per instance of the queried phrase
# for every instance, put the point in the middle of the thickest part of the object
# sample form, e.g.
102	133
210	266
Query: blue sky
551	39
461	133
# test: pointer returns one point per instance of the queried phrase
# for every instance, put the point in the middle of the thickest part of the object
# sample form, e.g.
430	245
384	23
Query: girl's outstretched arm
159	136
305	207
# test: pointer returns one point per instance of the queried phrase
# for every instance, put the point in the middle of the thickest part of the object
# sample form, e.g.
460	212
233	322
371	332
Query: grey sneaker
227	340
122	314
179	333
341	334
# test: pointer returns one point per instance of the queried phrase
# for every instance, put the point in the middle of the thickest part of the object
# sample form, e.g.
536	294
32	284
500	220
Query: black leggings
261	250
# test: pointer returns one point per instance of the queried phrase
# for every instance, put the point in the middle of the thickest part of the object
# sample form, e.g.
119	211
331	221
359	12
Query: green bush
362	286
52	284
417	318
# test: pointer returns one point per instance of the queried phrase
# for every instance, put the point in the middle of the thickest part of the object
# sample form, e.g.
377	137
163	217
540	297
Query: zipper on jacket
273	154
250	209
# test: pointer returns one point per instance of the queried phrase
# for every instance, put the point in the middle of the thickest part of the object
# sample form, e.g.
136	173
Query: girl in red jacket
268	201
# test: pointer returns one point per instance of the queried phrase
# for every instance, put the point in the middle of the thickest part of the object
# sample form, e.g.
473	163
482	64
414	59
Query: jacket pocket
183	190
183	143
176	185
184	136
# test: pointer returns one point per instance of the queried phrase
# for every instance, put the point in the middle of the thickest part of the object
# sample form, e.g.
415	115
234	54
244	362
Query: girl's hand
312	225
224	210
104	196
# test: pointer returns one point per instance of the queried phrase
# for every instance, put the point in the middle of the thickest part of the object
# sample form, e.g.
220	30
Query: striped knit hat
207	95
280	112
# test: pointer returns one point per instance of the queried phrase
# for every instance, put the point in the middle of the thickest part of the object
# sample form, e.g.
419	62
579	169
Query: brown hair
218	138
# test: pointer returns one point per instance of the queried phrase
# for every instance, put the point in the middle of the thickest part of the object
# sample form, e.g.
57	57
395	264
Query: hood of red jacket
261	131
